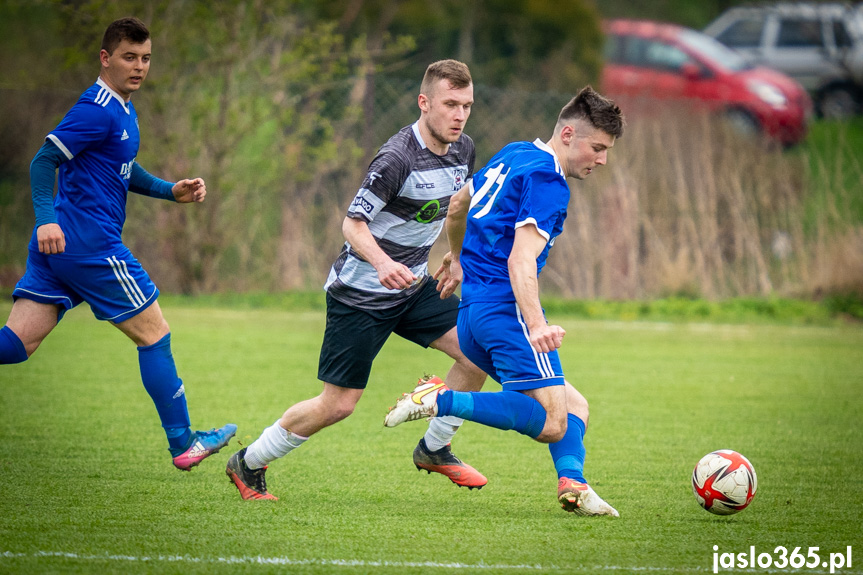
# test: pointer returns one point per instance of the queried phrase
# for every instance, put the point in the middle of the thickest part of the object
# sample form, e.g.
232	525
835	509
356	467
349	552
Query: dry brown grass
686	207
683	208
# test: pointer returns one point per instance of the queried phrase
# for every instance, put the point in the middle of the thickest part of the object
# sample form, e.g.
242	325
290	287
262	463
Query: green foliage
516	43
88	485
848	305
834	310
293	301
685	12
676	309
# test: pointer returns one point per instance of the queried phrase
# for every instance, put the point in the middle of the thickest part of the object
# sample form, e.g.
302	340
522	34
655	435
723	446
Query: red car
651	64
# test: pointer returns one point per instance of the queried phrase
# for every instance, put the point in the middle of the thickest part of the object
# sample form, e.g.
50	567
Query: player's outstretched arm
185	191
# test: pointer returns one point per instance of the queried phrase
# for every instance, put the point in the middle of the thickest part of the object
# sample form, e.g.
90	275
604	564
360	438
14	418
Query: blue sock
568	453
503	410
11	348
159	375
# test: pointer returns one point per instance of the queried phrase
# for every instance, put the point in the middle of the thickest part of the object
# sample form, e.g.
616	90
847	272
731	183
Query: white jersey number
493	178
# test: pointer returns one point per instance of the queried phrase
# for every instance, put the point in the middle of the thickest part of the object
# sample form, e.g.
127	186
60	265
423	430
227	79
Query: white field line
284	561
287	561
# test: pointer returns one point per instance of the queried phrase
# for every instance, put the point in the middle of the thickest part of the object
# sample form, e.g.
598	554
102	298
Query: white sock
441	431
274	442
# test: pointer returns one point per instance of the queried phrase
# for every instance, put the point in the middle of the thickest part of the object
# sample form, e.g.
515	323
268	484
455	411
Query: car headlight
768	93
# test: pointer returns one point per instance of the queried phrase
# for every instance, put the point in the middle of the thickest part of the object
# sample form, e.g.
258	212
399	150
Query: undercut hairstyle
602	113
130	29
456	72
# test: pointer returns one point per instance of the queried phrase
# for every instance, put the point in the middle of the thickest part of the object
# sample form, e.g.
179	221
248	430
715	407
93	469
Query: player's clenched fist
187	191
547	338
51	239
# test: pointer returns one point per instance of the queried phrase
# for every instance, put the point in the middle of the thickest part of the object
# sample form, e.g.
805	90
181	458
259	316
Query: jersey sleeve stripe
542	232
366	204
60	145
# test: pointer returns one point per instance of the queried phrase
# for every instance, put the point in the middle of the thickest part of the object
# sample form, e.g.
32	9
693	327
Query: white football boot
581	499
419	404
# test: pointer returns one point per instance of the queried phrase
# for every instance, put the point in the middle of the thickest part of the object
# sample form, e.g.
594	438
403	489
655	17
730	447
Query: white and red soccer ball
724	482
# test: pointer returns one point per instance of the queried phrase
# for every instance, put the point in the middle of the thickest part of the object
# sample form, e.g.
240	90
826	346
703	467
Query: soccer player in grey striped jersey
380	283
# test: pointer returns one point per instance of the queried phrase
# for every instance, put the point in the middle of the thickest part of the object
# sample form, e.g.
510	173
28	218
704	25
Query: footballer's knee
339	411
465	376
30	343
146	328
30	347
339	402
13	349
159	329
28	325
470	367
576	403
553	430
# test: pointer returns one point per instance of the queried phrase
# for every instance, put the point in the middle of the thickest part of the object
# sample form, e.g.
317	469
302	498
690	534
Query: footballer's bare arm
391	274
450	273
526	247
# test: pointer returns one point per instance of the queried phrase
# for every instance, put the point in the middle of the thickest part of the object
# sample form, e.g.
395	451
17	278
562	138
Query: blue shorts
113	283
493	336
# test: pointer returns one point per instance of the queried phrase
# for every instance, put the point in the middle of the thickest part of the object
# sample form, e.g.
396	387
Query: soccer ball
724	482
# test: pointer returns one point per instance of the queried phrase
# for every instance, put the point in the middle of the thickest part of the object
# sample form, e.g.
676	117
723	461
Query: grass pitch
87	484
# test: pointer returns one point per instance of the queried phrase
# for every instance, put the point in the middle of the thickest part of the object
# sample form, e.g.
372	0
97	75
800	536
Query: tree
255	97
524	44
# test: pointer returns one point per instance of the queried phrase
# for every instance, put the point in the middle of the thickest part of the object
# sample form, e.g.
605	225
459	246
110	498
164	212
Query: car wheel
837	103
742	123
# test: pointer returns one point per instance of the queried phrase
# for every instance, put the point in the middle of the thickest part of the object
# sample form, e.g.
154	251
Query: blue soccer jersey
100	138
522	184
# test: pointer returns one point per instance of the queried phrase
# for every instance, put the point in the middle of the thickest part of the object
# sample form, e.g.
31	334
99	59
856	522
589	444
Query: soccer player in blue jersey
76	253
501	226
379	284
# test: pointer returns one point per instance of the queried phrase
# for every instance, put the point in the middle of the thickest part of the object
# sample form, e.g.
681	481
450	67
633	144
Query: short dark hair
130	29
601	112
456	72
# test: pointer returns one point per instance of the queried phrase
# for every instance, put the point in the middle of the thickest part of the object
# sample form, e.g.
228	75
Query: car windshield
713	50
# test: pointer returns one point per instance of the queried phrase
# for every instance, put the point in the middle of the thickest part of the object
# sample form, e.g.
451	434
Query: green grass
87	485
830	310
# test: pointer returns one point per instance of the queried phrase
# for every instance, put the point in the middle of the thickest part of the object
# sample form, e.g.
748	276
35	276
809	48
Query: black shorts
354	336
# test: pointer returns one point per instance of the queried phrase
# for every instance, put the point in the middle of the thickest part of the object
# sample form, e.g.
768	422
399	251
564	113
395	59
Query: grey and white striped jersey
404	198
